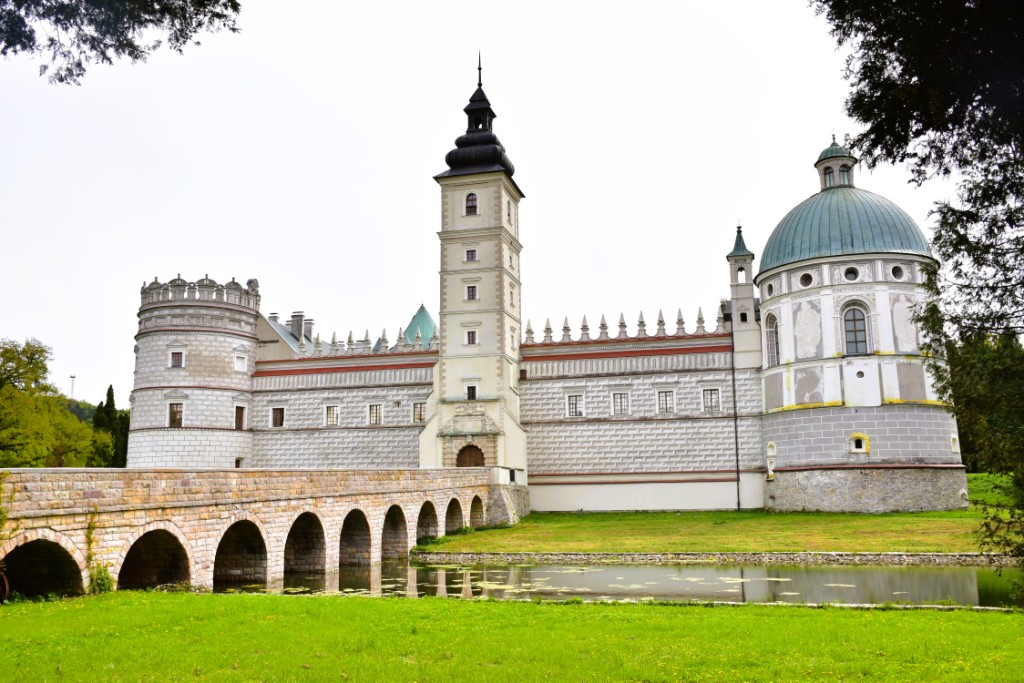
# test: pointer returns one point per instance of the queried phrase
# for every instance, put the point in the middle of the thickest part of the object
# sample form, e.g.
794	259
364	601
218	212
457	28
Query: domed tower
851	420
194	357
473	412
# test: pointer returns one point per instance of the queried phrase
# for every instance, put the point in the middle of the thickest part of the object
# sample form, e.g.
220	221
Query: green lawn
731	531
161	636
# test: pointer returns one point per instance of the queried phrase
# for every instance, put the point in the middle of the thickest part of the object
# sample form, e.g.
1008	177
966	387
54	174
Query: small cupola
835	166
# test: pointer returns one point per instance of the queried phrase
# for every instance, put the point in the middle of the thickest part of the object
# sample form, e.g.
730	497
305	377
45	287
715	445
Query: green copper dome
834	150
841	221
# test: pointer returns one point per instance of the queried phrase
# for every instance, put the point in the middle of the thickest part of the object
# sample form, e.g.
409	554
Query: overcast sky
301	152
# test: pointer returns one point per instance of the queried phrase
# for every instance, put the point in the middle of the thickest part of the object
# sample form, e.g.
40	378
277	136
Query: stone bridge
153	527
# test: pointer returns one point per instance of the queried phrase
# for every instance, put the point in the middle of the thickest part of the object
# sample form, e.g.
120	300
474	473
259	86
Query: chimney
296	324
307	328
273	317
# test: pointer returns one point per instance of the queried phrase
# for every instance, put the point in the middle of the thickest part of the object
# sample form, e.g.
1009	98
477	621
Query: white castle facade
807	392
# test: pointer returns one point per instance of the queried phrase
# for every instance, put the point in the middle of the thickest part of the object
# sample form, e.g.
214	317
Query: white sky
301	152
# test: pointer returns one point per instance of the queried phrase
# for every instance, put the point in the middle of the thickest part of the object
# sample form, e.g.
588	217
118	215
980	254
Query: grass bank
732	531
159	636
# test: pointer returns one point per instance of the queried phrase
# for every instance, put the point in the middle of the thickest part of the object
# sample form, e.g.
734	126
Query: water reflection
856	585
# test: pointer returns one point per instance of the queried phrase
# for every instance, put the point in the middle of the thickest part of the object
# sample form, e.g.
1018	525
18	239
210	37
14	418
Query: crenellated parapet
205	290
605	333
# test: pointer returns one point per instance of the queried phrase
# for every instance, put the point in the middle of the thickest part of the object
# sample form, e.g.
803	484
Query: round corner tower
194	358
851	420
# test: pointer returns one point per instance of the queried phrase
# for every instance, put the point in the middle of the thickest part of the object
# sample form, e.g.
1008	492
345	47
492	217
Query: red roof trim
352	368
628	353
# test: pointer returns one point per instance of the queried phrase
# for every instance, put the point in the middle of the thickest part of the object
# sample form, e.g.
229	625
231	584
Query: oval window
897	273
770	290
851	274
806	280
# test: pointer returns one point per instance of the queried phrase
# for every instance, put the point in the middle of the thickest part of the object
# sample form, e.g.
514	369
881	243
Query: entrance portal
470	456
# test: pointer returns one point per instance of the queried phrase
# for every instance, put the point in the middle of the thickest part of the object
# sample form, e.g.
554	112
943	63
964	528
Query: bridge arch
305	549
394	538
453	519
355	543
155	554
426	522
242	551
41	561
476	512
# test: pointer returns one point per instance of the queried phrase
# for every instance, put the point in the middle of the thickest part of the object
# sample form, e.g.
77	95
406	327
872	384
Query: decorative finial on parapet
419	339
318	349
584	330
351	347
604	328
547	332
700	321
566	331
720	319
622	326
680	324
334	343
529	332
641	326
302	347
384	341
661	325
435	341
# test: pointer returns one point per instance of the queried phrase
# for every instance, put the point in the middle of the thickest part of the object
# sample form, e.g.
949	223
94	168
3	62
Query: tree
76	33
115	423
939	85
24	366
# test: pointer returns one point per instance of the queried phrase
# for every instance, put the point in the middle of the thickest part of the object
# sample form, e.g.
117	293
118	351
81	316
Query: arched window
471	204
844	175
830	179
772	340
855	326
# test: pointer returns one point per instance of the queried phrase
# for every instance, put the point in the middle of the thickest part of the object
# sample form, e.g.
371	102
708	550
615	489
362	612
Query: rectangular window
470	393
666	402
277	417
471	254
711	402
471	293
471	337
419	412
620	404
177	359
240	363
574	405
331	415
239	417
376	415
174	414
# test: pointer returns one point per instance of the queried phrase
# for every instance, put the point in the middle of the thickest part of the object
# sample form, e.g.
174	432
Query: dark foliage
76	33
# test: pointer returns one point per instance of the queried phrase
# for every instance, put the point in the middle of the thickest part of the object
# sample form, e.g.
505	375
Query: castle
808	391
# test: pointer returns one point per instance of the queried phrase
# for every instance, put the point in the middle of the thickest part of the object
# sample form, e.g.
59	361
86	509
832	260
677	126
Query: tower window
771	341
471	337
830	179
277	417
860	443
471	293
855	326
471	204
331	416
666	401
175	411
508	210
471	392
620	404
375	414
844	175
471	255
419	412
239	417
177	359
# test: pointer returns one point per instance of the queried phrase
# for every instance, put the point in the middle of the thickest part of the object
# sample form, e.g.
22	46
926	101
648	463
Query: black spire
479	150
739	248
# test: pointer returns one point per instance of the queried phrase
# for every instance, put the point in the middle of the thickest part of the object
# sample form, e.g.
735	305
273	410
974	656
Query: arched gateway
470	456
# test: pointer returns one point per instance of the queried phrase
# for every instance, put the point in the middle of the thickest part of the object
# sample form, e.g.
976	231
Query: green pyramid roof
424	323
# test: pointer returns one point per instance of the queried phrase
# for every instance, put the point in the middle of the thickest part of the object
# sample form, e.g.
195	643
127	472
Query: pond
971	586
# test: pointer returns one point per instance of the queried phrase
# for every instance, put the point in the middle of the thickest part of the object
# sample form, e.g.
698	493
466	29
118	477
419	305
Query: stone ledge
805	558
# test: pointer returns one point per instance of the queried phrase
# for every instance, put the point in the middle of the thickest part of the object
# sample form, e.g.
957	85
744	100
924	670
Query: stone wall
898	434
868	489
